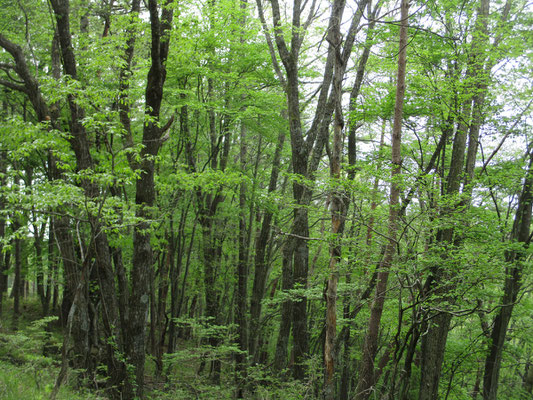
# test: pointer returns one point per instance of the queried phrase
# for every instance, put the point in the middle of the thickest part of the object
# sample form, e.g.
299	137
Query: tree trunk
177	302
282	344
513	277
73	271
306	154
162	293
38	233
366	382
81	146
434	341
242	277
338	216
16	288
212	260
145	191
3	265
260	265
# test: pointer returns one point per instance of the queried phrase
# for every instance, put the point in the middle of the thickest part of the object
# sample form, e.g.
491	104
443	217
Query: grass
25	373
26	382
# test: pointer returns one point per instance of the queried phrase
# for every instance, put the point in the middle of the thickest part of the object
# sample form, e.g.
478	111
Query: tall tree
145	186
306	153
514	258
366	371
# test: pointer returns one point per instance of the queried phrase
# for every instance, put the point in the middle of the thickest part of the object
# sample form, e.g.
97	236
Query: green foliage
223	96
29	360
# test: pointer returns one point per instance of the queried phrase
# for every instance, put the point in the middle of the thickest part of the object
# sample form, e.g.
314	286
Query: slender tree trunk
434	341
38	246
52	247
367	381
174	273
241	309
3	265
16	288
282	344
211	262
17	280
177	303
242	274
42	286
338	216
513	277
260	265
477	384
145	190
162	293
81	147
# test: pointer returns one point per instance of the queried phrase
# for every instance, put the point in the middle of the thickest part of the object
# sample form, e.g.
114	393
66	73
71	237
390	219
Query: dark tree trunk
338	206
299	305
145	191
242	277
16	288
513	278
212	261
72	272
367	378
123	290
282	344
261	266
306	154
434	341
3	265
81	146
162	293
177	303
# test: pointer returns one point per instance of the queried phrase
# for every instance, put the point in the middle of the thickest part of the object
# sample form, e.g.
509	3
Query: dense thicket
316	199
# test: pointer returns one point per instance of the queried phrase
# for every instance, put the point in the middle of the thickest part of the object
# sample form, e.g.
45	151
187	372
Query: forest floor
30	360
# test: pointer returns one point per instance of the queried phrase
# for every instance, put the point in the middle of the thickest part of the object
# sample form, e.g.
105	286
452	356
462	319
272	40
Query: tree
150	200
366	371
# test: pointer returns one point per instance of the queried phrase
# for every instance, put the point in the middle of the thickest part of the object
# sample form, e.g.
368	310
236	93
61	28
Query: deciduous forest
306	199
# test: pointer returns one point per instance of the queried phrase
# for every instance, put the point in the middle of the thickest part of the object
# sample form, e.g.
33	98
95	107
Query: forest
306	199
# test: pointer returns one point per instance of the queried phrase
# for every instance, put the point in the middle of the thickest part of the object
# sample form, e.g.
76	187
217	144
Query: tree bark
513	278
260	264
81	147
338	216
434	341
3	266
242	276
145	190
366	382
16	288
306	154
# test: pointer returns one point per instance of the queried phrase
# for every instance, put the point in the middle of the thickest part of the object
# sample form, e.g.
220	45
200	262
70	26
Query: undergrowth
30	359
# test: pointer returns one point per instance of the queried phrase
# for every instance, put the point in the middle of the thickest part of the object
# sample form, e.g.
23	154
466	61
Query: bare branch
14	86
509	131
